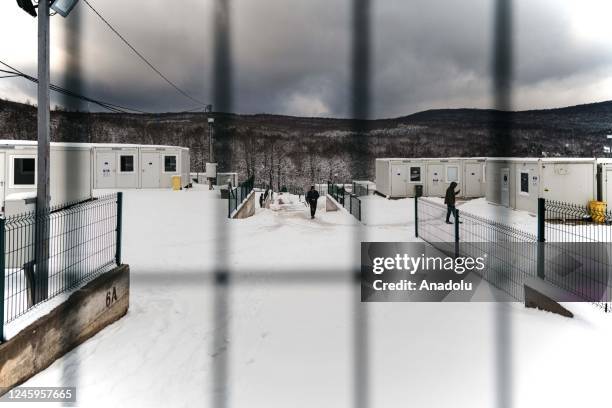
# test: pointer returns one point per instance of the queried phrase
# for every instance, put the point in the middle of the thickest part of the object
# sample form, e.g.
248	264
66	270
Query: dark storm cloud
293	57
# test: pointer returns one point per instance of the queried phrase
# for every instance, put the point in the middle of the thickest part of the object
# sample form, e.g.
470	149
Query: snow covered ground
289	324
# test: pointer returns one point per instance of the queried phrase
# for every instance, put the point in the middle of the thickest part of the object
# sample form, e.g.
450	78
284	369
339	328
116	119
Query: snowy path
290	341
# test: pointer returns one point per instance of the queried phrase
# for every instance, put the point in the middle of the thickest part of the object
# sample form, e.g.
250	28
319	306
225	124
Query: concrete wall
247	209
87	311
330	204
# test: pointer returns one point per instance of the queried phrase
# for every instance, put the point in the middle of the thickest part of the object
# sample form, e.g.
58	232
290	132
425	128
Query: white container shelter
604	180
399	177
120	166
518	182
116	166
69	172
159	163
224	179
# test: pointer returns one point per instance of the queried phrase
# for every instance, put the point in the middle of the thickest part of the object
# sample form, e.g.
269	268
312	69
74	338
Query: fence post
456	232
119	227
2	272
416	216
541	237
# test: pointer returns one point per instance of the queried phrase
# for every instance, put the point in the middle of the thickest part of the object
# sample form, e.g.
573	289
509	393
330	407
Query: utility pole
211	166
42	180
211	156
40	279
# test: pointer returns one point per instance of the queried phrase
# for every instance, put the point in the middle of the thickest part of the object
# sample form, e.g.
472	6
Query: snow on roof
543	159
514	159
83	145
429	158
568	159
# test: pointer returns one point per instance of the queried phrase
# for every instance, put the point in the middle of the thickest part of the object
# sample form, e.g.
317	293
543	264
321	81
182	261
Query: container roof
429	158
543	159
81	145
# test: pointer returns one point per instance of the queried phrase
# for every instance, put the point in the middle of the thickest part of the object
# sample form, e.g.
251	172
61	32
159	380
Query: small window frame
528	174
133	156
176	163
456	166
12	171
420	180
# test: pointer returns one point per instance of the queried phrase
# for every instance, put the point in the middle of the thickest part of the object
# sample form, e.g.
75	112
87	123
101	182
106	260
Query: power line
14	72
106	105
126	42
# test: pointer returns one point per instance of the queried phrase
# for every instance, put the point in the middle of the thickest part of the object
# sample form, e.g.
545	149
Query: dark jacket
449	198
312	196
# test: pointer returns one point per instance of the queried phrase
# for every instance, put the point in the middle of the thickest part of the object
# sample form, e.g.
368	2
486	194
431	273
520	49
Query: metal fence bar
119	227
541	237
2	277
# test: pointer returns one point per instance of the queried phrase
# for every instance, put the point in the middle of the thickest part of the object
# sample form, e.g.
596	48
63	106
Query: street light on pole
41	241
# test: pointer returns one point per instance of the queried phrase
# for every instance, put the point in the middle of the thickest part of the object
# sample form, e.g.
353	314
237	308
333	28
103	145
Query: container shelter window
452	174
524	182
415	174
126	164
24	171
170	164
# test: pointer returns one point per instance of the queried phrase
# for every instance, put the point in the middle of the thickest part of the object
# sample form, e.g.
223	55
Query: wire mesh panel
577	256
355	206
347	200
572	251
432	225
238	194
82	244
360	189
511	253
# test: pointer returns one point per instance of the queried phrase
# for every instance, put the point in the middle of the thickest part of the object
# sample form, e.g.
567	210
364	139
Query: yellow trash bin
176	183
598	211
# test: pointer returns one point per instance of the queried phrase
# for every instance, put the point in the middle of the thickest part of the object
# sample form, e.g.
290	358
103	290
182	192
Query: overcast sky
293	56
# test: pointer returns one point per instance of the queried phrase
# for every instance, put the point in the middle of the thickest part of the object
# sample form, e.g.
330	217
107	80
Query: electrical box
211	170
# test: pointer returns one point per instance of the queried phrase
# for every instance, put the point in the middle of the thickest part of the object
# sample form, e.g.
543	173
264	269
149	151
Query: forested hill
295	150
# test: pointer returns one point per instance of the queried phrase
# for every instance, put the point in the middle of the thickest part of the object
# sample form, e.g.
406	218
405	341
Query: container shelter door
435	178
505	187
398	180
106	170
473	179
608	187
150	170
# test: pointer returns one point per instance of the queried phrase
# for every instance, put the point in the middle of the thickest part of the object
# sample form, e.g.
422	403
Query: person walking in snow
449	200
311	199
